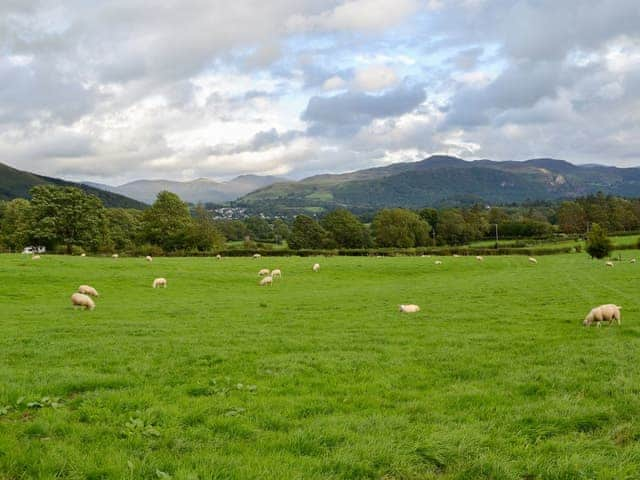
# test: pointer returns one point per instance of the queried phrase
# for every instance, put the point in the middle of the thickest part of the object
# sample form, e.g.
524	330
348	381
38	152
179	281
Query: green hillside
16	184
442	181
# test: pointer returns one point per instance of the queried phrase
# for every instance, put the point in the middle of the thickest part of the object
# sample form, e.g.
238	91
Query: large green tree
397	227
66	216
15	224
259	228
598	244
124	227
307	233
204	236
345	229
167	223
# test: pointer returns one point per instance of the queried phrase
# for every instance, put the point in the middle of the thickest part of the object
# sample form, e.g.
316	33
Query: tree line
67	219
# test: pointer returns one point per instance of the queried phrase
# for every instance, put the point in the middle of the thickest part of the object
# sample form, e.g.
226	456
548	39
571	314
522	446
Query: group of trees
67	218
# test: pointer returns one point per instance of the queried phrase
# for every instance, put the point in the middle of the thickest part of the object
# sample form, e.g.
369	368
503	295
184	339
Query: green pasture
319	376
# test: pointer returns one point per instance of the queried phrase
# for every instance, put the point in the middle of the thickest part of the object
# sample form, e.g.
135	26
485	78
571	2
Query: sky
113	91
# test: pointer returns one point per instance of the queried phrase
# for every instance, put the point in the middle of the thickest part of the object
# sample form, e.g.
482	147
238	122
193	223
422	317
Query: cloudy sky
119	90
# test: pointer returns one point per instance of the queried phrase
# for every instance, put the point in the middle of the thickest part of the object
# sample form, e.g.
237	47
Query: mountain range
17	183
201	190
435	181
446	181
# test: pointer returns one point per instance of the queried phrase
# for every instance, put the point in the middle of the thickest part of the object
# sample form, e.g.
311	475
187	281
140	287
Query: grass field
319	376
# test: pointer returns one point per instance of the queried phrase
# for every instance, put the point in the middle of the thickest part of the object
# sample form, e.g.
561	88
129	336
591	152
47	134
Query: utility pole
496	234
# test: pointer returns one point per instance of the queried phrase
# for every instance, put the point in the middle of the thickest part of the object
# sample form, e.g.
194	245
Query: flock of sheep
608	313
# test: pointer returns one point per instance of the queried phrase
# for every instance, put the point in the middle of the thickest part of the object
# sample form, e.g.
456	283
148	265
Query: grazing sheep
633	260
148	258
480	258
532	260
219	257
82	300
115	255
609	264
256	255
160	282
438	262
276	273
83	254
35	257
409	308
316	267
603	313
88	290
268	280
263	272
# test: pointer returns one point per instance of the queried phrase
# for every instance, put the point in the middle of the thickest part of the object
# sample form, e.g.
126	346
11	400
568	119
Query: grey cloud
345	113
467	59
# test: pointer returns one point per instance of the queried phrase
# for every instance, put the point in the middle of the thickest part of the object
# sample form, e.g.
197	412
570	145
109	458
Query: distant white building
32	249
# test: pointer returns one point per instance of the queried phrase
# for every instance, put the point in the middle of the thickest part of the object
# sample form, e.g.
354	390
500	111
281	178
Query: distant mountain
201	190
444	180
17	183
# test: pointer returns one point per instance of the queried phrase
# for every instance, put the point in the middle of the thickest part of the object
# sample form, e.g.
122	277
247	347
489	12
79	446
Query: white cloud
374	78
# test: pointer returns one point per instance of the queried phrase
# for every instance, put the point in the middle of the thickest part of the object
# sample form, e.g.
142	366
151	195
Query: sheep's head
588	320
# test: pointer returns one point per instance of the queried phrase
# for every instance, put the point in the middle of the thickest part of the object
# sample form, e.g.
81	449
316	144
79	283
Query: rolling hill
201	190
442	181
17	183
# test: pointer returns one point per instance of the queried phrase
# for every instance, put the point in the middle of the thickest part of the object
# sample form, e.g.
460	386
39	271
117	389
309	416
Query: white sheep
438	262
115	255
455	255
88	290
409	308
83	254
263	272
149	258
219	257
268	280
603	313
532	260
276	273
35	257
82	300
160	282
633	260
256	255
480	258
609	264
316	267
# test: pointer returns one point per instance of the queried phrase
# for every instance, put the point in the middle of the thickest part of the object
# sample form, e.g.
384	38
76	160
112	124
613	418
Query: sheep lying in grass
409	308
633	260
604	313
263	272
88	290
268	280
532	260
83	254
480	258
115	255
438	262
160	282
149	258
82	300
455	255
35	257
609	264
276	273
316	267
